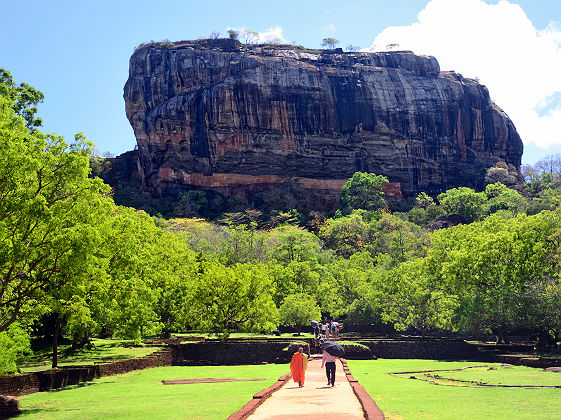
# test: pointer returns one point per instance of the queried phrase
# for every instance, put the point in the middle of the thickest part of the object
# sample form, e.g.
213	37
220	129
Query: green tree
393	241
424	211
229	299
14	347
340	289
495	267
24	99
233	34
501	173
502	198
463	201
49	213
291	243
424	201
346	235
410	295
329	43
190	204
298	310
363	191
294	277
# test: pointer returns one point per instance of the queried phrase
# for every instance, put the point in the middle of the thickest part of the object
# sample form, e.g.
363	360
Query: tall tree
298	310
49	212
228	299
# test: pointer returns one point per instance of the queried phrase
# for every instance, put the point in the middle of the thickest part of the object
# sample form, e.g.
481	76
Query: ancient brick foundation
267	350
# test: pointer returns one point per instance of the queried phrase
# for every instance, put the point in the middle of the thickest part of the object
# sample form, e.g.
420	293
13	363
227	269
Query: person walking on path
298	366
329	362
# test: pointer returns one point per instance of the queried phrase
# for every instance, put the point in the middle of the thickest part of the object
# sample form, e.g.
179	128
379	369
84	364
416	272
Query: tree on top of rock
329	43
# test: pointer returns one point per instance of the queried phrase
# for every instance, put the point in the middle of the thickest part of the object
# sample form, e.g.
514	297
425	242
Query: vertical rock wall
218	114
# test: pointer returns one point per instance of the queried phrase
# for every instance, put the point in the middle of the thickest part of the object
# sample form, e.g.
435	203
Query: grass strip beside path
141	394
400	397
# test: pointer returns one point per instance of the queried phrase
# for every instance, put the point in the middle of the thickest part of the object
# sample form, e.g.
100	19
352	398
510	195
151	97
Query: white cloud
270	36
498	44
329	28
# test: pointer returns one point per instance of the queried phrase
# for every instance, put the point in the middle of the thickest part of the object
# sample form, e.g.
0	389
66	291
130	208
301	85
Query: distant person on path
323	329
329	362
298	366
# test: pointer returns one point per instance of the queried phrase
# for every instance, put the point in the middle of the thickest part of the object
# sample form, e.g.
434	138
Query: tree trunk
56	333
81	341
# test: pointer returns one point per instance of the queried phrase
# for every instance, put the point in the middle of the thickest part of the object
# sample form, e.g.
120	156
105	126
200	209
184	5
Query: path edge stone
369	407
249	408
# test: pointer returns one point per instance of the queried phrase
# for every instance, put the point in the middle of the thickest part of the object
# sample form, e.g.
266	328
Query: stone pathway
315	400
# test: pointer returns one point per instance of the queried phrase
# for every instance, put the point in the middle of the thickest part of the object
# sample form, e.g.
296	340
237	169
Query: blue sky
77	53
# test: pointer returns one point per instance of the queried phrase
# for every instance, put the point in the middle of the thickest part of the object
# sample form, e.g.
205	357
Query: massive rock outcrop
220	115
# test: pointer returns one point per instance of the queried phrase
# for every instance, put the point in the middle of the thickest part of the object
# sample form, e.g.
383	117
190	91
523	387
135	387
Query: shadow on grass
100	353
80	385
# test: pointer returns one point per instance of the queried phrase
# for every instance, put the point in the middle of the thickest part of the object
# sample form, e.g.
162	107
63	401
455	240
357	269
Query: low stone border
530	360
258	399
369	407
29	383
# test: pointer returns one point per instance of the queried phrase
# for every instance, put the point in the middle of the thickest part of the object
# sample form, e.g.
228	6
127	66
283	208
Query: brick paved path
315	400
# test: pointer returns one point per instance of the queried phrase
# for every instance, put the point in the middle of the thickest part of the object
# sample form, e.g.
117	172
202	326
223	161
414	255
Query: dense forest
73	262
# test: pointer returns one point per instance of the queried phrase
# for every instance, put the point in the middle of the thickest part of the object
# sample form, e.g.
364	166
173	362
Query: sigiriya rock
220	115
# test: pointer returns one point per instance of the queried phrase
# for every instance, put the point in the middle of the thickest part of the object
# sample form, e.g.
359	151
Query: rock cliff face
217	114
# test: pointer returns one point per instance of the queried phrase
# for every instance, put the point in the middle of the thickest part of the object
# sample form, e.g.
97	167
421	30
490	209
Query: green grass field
401	397
110	350
103	350
286	336
141	395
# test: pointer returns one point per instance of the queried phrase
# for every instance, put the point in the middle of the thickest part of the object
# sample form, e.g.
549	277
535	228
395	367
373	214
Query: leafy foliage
23	98
227	299
70	255
363	191
49	213
14	346
329	43
298	310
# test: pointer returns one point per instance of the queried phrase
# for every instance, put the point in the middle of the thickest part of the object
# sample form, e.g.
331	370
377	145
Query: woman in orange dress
298	366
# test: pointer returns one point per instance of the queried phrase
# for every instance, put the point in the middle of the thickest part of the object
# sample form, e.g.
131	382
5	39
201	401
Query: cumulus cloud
329	28
499	45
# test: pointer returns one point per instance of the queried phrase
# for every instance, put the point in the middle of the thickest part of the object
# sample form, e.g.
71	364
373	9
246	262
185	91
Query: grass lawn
104	350
400	397
141	395
286	336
